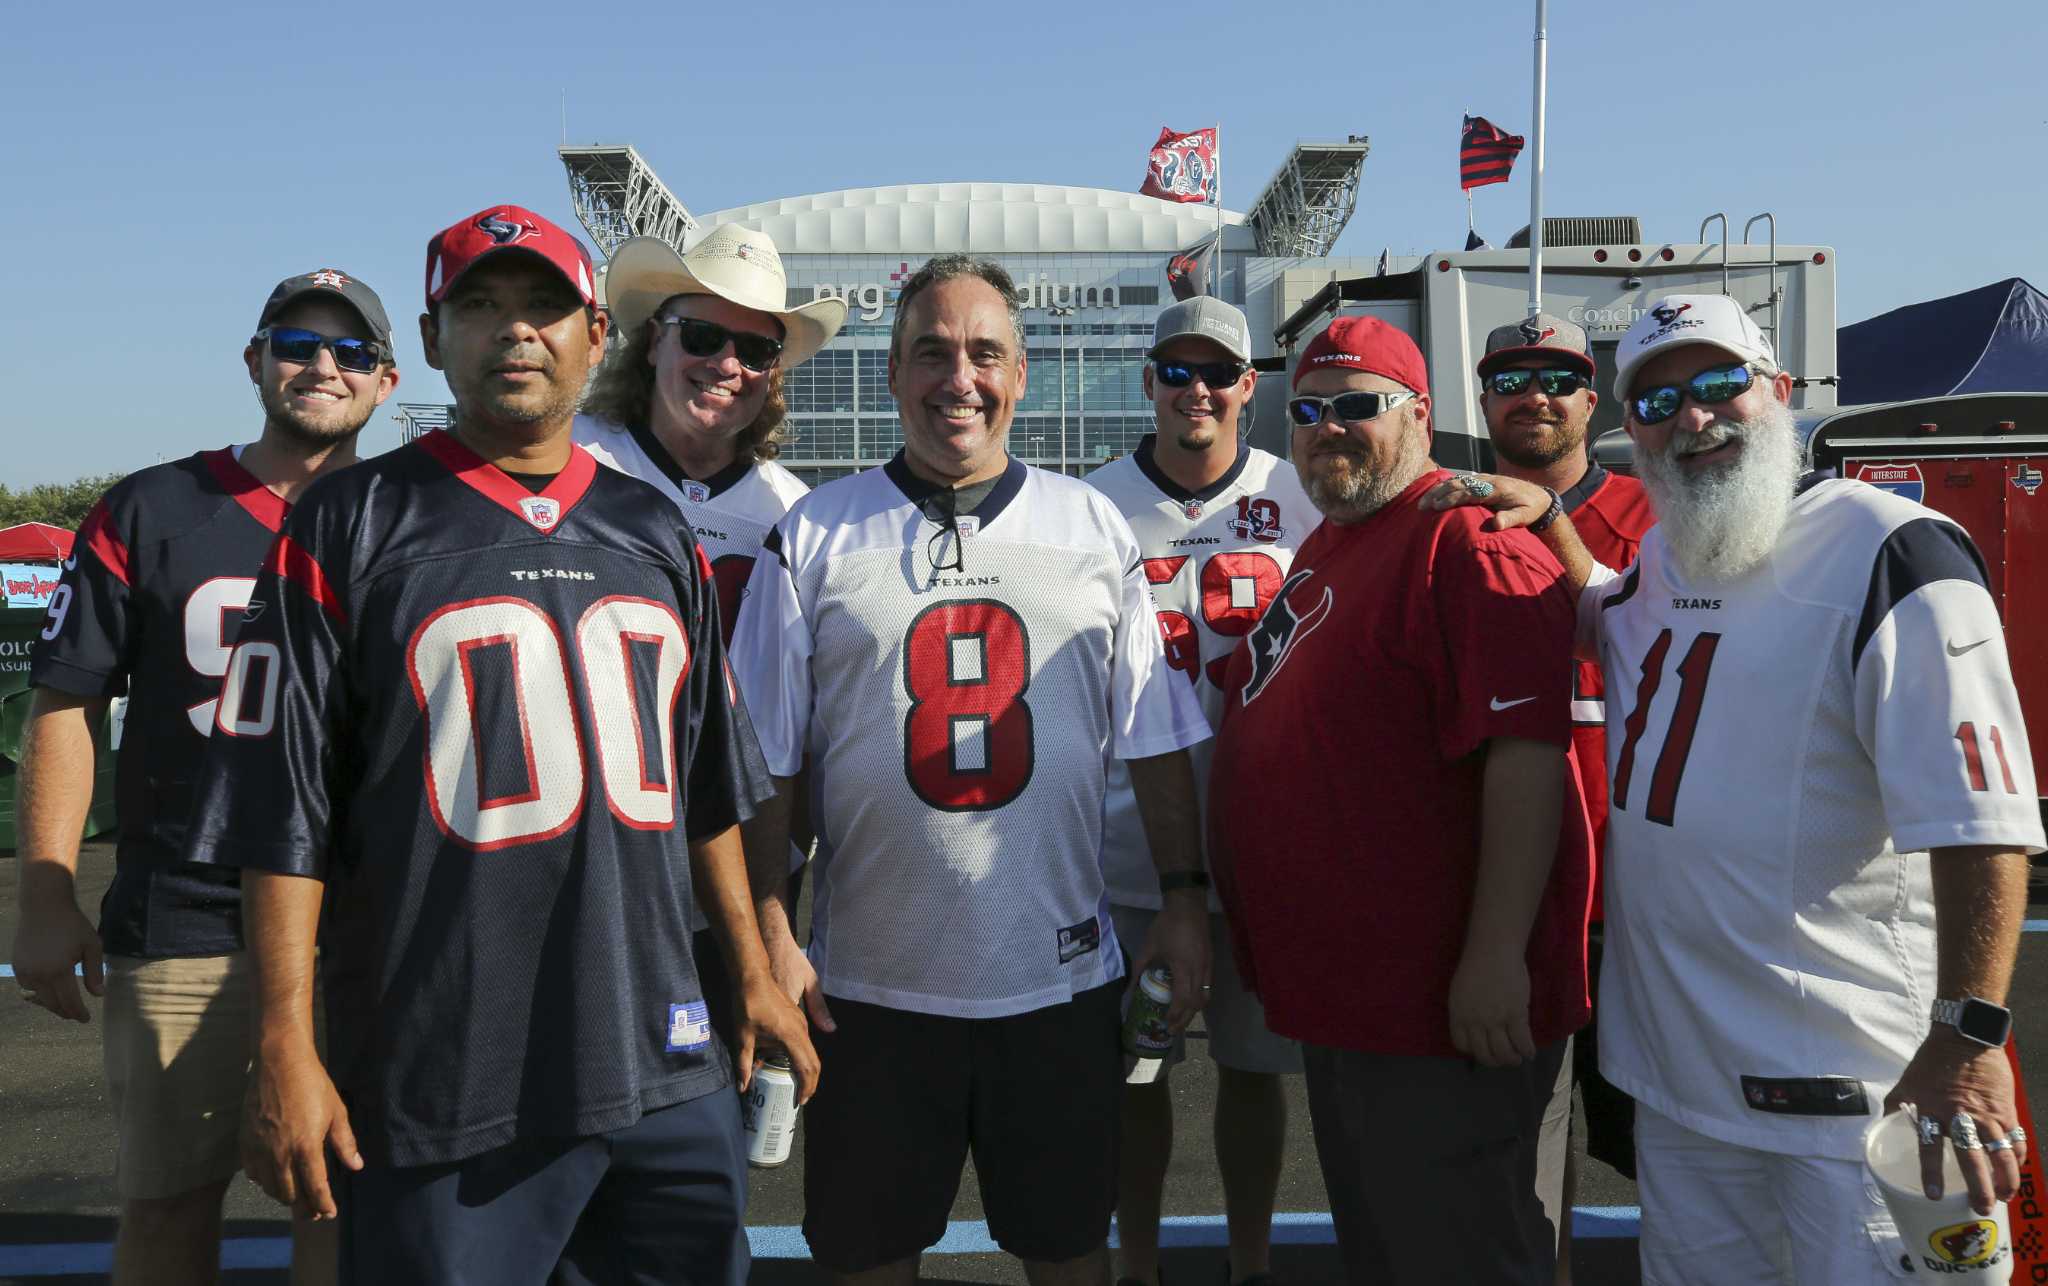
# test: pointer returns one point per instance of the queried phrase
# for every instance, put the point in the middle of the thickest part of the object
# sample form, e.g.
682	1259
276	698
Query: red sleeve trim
98	535
291	562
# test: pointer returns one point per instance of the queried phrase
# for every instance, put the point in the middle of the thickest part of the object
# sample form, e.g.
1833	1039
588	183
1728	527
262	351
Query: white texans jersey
1214	559
731	514
1782	749
957	695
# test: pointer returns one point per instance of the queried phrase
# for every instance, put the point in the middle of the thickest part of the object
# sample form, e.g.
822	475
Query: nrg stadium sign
1035	291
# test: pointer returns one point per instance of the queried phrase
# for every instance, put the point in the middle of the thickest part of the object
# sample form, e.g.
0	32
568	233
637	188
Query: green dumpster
18	629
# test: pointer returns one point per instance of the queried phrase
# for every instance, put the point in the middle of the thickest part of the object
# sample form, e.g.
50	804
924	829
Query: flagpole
1536	179
1216	268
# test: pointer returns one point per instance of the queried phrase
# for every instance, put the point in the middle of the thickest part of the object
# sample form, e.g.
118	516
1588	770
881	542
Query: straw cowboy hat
734	263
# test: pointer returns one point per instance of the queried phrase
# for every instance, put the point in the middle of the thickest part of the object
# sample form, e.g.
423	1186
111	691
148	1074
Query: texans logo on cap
1666	315
503	231
1532	334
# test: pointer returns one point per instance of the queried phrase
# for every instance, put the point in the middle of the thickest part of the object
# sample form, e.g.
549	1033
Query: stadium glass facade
1090	267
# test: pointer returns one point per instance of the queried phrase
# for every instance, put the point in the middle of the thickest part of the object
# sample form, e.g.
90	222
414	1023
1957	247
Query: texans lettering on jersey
1215	560
490	728
956	722
1782	748
148	606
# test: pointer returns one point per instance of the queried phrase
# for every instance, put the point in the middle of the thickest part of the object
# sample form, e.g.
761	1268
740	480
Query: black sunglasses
290	344
1711	387
1554	383
707	339
1308	412
1214	374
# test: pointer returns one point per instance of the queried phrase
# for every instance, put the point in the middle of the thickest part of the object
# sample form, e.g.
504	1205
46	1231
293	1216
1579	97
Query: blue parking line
786	1241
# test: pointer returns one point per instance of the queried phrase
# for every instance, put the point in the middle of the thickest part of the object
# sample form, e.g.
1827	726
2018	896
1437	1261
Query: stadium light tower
1309	199
617	195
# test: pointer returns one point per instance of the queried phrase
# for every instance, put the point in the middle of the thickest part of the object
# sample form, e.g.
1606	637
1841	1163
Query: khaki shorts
1234	1018
178	1037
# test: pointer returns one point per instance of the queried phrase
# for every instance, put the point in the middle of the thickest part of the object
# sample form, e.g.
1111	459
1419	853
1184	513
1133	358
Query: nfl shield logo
695	492
542	512
1193	509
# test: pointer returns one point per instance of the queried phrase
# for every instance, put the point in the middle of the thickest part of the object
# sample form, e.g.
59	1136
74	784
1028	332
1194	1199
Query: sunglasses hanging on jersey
936	549
1213	374
291	344
1711	387
708	339
1554	383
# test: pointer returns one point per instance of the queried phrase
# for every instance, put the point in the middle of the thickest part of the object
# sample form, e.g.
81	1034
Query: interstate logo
1899	479
2027	478
1965	1245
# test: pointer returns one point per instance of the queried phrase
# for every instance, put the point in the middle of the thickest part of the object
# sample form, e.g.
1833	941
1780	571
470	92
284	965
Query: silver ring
1930	1130
2018	1134
1998	1145
1962	1131
1477	485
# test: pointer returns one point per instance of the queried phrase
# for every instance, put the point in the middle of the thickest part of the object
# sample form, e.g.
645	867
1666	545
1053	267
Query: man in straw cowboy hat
692	404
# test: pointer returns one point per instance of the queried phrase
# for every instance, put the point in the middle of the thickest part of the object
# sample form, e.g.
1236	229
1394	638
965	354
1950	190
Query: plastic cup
1944	1237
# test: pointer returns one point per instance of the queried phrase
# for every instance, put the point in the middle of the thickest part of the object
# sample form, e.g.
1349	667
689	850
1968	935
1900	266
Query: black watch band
1174	881
1550	515
1975	1020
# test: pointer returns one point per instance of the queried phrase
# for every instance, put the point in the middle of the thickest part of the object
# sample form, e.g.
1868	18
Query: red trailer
1980	458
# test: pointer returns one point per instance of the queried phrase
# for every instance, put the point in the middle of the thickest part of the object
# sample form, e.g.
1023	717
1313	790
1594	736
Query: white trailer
1448	302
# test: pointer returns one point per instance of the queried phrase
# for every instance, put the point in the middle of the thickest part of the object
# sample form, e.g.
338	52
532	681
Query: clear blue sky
166	165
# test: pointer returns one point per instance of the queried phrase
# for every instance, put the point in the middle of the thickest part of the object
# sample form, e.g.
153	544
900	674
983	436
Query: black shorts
1610	1113
904	1098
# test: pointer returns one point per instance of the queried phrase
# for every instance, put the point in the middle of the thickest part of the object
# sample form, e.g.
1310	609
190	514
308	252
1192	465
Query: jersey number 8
967	738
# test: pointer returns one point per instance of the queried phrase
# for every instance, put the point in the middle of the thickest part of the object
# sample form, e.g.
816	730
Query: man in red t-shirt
1398	838
1536	392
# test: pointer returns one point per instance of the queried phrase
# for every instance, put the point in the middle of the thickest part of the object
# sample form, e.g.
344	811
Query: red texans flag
1182	166
1486	155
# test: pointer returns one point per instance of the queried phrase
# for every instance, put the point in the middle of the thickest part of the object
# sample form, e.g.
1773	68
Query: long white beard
1725	520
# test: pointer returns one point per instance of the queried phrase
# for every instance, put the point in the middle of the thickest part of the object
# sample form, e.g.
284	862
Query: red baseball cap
457	248
1366	344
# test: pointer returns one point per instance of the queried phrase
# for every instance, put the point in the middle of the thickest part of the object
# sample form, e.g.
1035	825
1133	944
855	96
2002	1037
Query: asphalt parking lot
57	1203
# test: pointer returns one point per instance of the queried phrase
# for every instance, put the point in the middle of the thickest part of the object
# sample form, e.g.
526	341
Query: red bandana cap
1366	344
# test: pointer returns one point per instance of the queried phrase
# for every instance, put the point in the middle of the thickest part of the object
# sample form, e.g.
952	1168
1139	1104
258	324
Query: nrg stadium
1090	267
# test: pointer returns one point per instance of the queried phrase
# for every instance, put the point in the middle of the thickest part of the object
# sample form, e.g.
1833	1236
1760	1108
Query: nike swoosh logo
1499	704
1953	650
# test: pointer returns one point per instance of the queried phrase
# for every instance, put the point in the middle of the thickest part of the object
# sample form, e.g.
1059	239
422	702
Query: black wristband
1174	881
1550	515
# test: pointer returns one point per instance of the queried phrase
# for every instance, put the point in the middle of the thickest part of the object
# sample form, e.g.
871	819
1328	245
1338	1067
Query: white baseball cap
1689	319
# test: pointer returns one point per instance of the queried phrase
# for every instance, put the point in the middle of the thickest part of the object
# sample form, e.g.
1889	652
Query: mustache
1718	434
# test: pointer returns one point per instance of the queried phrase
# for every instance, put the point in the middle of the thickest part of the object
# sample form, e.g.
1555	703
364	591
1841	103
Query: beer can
768	1113
1145	1031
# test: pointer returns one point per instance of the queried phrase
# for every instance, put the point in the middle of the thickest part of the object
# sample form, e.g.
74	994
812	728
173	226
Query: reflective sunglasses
1711	387
1308	412
1554	383
708	339
290	344
1214	374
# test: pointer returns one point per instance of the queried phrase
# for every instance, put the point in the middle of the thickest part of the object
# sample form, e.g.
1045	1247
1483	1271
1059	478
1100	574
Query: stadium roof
979	218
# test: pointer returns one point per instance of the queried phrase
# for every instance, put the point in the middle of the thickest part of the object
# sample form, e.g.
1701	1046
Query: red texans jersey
488	719
1610	513
148	607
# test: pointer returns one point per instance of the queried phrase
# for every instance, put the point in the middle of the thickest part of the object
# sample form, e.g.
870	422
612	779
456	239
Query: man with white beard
1821	805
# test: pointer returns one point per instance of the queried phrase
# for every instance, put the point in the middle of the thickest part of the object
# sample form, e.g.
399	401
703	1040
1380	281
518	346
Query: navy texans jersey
148	607
488	719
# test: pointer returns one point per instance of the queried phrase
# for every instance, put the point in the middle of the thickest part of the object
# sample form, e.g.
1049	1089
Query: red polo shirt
1347	779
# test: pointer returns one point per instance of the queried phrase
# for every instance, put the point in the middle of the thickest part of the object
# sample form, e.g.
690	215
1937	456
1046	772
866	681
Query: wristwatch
1174	881
1550	515
1976	1020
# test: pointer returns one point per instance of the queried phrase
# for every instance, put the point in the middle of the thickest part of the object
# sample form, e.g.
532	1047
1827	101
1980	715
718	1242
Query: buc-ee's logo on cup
1966	1245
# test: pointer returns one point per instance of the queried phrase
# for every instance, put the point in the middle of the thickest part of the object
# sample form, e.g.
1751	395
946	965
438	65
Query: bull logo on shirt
1279	632
1257	519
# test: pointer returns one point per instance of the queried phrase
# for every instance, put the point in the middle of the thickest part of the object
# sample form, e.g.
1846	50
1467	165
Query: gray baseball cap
1204	317
1543	335
331	281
